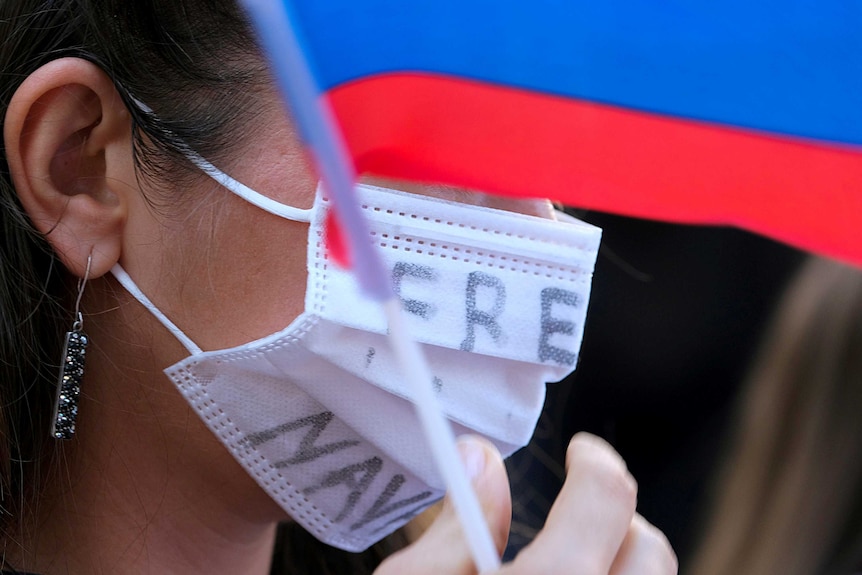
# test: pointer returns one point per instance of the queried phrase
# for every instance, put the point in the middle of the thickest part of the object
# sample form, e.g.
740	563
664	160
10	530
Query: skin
149	488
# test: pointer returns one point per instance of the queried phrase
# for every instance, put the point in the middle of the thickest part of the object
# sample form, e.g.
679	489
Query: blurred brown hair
788	500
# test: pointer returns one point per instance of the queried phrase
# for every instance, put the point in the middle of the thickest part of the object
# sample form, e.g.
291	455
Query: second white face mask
319	414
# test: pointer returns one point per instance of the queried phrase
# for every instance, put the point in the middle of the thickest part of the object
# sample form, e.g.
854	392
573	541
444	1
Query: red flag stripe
515	142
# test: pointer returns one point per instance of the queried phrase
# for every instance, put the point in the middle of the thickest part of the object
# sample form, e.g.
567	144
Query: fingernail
473	456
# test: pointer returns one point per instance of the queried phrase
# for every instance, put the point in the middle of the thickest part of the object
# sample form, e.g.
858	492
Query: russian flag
742	112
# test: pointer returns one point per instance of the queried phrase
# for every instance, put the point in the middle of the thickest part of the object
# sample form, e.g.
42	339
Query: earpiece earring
71	370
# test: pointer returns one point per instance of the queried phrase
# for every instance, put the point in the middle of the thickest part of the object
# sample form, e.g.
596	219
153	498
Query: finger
590	518
443	547
645	551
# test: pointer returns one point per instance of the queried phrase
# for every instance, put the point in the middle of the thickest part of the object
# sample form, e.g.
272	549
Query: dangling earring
71	370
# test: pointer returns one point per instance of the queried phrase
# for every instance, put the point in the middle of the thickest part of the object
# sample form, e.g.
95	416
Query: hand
592	528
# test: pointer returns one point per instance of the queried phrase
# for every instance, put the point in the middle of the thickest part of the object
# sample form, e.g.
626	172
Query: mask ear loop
238	188
248	194
130	286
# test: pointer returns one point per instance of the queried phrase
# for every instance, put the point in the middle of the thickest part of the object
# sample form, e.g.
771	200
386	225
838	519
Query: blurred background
675	318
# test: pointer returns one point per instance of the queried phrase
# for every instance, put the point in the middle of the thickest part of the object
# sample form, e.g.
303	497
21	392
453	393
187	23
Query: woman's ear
68	144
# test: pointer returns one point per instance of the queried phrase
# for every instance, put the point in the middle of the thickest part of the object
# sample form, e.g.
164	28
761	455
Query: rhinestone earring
71	370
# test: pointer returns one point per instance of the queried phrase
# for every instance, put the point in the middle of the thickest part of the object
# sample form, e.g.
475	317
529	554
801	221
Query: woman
108	107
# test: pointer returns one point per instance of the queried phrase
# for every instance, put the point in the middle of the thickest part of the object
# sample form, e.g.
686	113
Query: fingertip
645	551
587	445
476	454
591	516
443	547
487	472
587	451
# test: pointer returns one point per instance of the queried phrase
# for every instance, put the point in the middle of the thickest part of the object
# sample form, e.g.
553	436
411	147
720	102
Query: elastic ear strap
249	195
136	292
238	188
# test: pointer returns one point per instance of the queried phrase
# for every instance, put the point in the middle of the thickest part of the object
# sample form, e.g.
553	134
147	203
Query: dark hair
194	63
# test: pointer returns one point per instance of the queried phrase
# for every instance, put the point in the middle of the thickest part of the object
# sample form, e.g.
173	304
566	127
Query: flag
743	112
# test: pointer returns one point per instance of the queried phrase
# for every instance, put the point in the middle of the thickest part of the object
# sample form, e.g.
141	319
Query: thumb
443	547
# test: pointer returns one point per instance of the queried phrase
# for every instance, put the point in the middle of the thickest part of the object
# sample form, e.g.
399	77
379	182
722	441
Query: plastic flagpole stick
318	128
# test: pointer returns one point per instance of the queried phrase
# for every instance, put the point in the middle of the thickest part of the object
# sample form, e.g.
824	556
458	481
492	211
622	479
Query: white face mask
318	413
